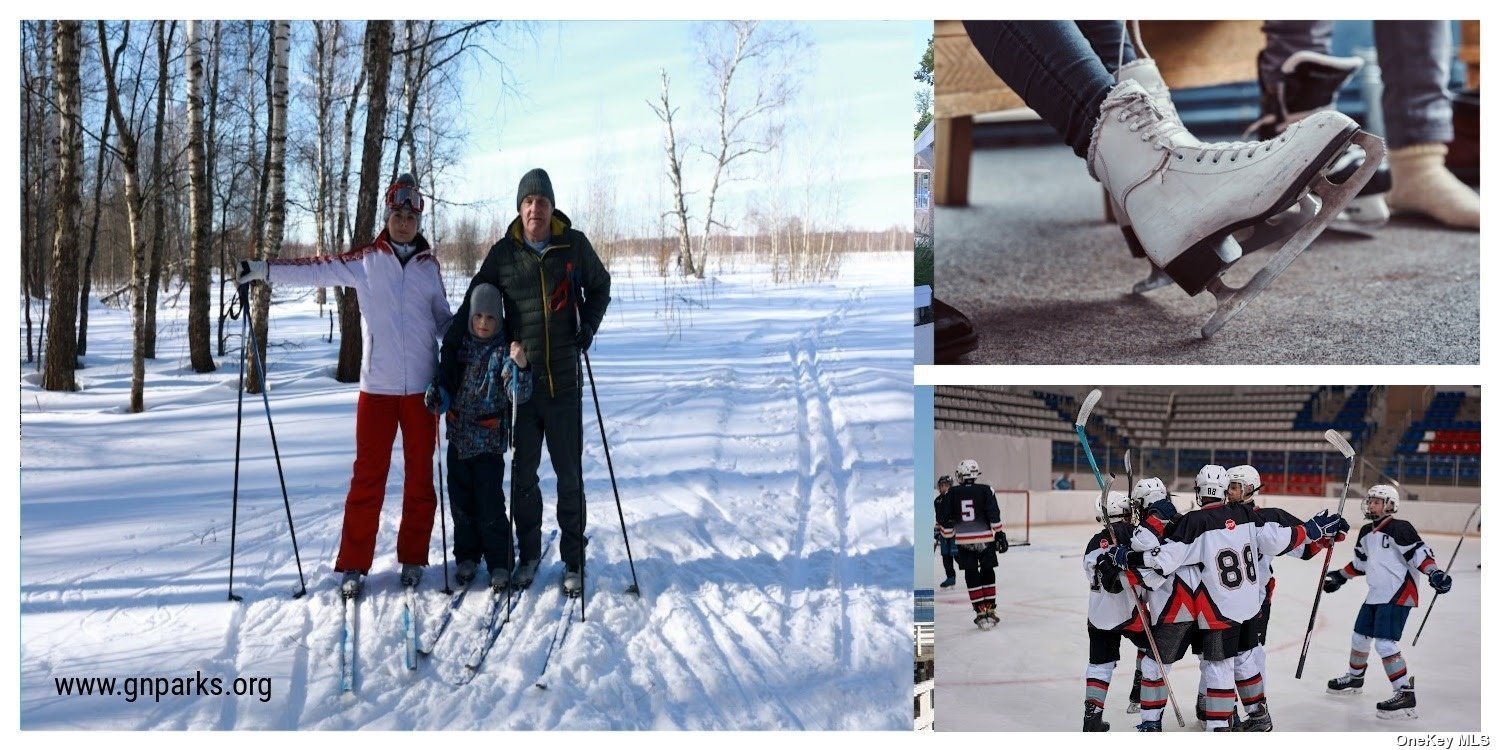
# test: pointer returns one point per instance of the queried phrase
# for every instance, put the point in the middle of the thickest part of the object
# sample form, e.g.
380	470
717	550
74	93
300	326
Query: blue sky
581	110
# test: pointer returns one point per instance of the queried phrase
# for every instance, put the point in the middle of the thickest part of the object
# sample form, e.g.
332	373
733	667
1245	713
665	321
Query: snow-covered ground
1028	673
762	438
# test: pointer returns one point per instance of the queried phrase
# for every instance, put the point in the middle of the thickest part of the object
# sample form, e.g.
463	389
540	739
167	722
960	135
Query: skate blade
1133	708
1156	280
1403	713
1279	227
1232	300
1346	691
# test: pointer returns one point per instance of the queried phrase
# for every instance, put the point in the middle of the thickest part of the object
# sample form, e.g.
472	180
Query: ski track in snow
763	456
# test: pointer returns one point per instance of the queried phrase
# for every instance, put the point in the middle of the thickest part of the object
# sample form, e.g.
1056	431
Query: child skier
489	385
1391	553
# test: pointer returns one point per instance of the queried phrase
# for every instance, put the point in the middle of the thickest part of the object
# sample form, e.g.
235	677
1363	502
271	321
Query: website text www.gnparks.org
156	688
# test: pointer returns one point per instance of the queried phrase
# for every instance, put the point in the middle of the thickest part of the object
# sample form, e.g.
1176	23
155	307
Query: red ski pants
375	422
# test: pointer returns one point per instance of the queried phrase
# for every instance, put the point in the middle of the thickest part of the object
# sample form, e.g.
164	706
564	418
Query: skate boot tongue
1145	73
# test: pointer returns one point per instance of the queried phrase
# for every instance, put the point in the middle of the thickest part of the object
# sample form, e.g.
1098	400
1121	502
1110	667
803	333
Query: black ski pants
476	496
559	421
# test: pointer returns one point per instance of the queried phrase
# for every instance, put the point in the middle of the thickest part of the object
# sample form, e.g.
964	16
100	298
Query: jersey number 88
1231	575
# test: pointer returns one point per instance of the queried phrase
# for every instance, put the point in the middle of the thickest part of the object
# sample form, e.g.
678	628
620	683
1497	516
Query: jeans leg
1109	41
1415	57
1285	37
1051	65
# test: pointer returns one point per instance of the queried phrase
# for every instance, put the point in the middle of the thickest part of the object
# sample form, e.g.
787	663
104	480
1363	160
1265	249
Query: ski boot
1309	83
411	575
1149	725
1346	684
1256	721
500	580
521	577
466	571
572	582
1401	705
948	582
353	584
1093	718
1183	197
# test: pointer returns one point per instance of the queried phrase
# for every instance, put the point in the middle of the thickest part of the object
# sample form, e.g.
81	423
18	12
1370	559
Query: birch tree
200	206
61	359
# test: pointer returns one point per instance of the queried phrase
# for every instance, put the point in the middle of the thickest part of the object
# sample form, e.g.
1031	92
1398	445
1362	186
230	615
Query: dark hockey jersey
1390	554
970	514
1223	542
1277	517
1108	609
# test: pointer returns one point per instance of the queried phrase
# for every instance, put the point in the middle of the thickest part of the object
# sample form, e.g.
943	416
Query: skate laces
1144	115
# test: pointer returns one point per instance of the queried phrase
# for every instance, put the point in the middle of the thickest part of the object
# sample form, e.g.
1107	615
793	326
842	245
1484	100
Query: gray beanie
484	298
535	182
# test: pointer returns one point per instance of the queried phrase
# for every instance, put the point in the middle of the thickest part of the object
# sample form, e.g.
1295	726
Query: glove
1333	581
1002	541
1441	582
1325	524
436	399
1119	554
584	338
252	270
1164	509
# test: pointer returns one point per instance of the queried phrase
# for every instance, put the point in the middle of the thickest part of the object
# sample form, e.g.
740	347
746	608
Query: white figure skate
1183	197
1310	83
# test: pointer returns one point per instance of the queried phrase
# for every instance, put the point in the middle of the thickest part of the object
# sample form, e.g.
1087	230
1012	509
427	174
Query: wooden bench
1189	53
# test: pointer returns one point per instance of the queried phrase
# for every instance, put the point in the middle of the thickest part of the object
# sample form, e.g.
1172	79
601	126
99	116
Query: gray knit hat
535	182
484	298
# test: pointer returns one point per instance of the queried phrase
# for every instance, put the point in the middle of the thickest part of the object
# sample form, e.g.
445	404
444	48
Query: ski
409	625
454	602
493	624
559	634
346	651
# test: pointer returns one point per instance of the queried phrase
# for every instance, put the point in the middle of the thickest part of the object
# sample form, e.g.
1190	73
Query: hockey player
948	548
971	517
1390	553
1158	516
1112	608
1220	541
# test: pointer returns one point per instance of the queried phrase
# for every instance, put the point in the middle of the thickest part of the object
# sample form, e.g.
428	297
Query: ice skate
1310	83
1183	197
948	582
985	617
1202	708
352	584
1149	725
1401	705
1135	694
1256	721
1093	718
1346	684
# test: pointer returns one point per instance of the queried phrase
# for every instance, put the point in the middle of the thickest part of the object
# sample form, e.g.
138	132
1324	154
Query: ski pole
1343	446
635	587
437	440
239	421
1451	559
256	361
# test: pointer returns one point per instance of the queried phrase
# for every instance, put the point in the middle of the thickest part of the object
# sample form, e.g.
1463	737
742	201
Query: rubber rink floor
1047	280
1027	674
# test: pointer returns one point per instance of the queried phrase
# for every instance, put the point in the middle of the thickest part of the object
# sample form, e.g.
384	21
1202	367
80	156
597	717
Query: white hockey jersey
1162	589
1109	610
1276	517
1390	554
1223	542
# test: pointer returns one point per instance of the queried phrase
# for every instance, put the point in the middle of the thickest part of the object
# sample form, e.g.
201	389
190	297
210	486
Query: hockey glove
1002	541
1324	524
252	270
1119	554
1333	581
1441	582
436	399
1164	509
1107	575
584	338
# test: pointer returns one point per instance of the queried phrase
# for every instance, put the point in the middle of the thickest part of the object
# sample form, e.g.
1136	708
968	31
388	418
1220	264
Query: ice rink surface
1028	673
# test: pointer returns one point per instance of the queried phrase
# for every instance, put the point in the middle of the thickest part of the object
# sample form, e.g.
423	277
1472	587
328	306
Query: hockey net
1015	513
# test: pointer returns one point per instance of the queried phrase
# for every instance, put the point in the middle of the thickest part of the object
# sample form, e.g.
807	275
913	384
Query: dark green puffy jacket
541	294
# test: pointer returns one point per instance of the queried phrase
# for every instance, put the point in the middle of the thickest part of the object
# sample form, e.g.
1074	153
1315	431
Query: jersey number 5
1231	575
966	510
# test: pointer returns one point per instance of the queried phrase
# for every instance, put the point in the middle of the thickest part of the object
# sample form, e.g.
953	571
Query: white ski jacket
404	308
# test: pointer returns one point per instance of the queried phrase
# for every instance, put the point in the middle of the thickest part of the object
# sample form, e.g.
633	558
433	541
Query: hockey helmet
1148	490
968	470
1210	485
945	479
1116	507
1384	494
1248	479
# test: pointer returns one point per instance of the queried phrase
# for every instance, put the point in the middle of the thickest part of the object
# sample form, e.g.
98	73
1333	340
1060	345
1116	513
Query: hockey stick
1140	604
1339	442
1451	560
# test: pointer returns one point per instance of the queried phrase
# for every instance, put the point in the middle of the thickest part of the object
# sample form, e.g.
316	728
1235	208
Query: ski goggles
404	196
